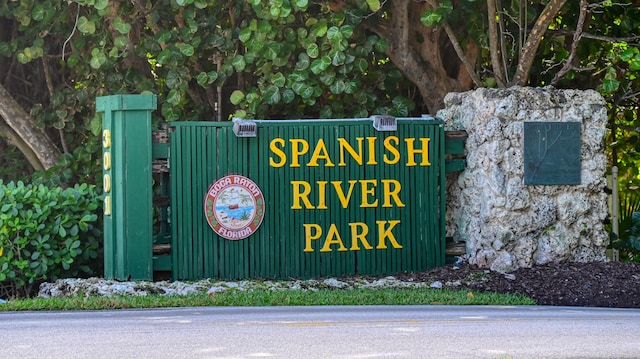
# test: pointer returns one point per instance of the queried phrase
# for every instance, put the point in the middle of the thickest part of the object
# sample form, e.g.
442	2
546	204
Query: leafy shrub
628	240
45	234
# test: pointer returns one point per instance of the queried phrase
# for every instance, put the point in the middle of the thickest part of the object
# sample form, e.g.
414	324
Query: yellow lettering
389	193
392	149
320	152
368	189
301	190
344	199
359	236
309	237
333	237
298	148
411	151
278	152
372	150
386	233
344	145
322	196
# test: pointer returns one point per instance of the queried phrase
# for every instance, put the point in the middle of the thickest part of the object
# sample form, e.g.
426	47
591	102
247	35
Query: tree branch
494	49
27	152
456	47
17	118
587	35
533	41
465	61
568	65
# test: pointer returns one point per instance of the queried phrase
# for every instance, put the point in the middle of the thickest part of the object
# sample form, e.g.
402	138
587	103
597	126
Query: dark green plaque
552	153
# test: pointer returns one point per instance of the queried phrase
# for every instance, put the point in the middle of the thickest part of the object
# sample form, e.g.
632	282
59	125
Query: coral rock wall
505	223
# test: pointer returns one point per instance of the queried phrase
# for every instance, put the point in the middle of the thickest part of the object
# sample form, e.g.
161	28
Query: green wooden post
127	156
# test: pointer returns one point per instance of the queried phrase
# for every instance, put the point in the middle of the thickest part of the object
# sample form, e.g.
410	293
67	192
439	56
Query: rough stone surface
99	287
506	224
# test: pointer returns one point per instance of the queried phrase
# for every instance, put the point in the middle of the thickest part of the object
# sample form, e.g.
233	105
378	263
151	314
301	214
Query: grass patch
273	298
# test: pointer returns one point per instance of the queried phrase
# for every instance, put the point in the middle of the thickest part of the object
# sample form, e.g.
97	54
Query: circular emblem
234	207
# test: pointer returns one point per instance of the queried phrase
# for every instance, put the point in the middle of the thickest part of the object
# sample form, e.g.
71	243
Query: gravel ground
599	284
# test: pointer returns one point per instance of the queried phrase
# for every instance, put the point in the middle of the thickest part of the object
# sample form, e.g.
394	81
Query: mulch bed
598	284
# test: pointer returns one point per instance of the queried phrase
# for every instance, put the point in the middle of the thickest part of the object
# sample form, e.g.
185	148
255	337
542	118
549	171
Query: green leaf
38	13
236	97
202	79
313	50
334	34
361	64
173	79
272	51
278	79
288	96
238	63
121	42
272	95
303	62
337	87
186	49
319	65
301	4
170	112
213	76
101	4
374	5
430	18
245	34
86	26
338	59
98	58
121	26
165	56
163	36
319	29
347	31
174	97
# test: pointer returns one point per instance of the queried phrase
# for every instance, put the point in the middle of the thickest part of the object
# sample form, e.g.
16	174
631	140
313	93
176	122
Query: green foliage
46	233
282	59
628	239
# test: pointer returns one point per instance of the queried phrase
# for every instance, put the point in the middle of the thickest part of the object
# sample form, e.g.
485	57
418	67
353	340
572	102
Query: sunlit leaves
86	26
98	58
236	97
374	5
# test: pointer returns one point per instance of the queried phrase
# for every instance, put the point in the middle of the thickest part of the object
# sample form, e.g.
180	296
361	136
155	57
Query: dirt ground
599	284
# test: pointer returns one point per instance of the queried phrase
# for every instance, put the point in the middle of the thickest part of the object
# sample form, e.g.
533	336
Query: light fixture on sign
244	128
384	123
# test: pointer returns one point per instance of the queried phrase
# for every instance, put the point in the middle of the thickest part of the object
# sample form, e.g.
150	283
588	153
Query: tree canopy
213	59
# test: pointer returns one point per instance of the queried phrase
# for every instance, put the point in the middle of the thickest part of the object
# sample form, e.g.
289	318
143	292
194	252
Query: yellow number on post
107	205
106	139
106	161
106	183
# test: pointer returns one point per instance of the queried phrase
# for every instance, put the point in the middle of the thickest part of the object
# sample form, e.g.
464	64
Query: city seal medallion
234	207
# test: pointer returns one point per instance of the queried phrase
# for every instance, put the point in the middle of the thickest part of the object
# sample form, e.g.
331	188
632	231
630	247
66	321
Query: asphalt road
325	332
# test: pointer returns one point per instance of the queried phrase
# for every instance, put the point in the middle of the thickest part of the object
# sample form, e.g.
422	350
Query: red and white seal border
219	204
